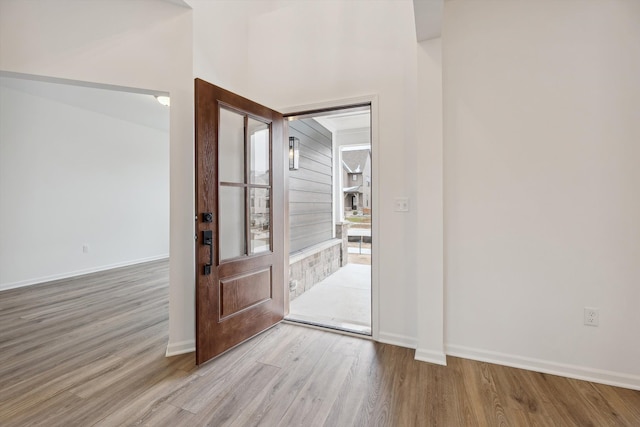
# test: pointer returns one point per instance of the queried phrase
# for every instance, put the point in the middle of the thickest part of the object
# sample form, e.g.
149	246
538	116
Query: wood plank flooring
90	351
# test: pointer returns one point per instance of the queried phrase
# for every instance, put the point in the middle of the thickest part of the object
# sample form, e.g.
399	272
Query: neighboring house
356	180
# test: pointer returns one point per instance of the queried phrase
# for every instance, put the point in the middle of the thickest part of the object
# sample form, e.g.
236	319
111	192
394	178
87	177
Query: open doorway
84	170
330	211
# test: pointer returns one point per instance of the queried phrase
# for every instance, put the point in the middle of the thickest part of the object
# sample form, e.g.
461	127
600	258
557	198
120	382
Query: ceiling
345	121
428	17
143	108
140	108
179	3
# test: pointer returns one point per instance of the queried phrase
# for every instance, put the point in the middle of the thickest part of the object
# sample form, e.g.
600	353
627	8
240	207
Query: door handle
207	240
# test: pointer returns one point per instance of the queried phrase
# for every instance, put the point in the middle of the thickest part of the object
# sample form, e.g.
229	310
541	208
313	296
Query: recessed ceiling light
164	100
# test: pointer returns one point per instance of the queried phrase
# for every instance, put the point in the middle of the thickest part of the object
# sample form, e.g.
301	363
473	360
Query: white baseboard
35	281
618	379
395	339
430	356
180	347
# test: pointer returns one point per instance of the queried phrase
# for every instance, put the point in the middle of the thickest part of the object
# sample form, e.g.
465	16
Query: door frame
375	198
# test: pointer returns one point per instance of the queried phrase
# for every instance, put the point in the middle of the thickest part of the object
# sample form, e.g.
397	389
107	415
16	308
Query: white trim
375	219
67	275
617	379
430	356
340	183
329	330
375	205
396	339
180	347
327	105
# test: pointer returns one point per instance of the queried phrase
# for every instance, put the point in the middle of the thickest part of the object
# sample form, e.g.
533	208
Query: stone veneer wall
312	265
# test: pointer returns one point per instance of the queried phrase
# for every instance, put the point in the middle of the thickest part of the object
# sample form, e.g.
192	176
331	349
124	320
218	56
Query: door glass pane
259	162
231	147
260	220
232	227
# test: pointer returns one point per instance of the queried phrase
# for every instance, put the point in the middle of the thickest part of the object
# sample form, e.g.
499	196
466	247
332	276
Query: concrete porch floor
341	301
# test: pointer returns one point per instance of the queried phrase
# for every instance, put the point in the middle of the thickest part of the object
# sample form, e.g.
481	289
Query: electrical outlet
85	249
591	316
402	204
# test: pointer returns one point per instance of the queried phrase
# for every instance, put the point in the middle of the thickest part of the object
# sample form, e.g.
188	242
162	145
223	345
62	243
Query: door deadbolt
207	240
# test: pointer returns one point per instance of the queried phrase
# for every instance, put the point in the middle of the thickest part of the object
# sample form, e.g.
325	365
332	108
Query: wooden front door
240	268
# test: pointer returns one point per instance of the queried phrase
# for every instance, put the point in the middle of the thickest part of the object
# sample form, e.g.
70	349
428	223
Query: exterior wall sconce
294	153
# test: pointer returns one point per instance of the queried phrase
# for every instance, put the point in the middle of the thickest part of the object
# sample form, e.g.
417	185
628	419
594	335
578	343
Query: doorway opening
330	212
92	162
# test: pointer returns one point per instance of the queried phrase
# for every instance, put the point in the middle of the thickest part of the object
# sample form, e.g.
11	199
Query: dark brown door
240	219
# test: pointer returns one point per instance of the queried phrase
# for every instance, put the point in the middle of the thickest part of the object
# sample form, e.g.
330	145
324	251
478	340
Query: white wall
143	44
428	164
299	53
279	53
540	131
337	50
71	177
542	208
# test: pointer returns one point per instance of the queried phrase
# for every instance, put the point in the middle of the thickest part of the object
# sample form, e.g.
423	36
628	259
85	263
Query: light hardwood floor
90	351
